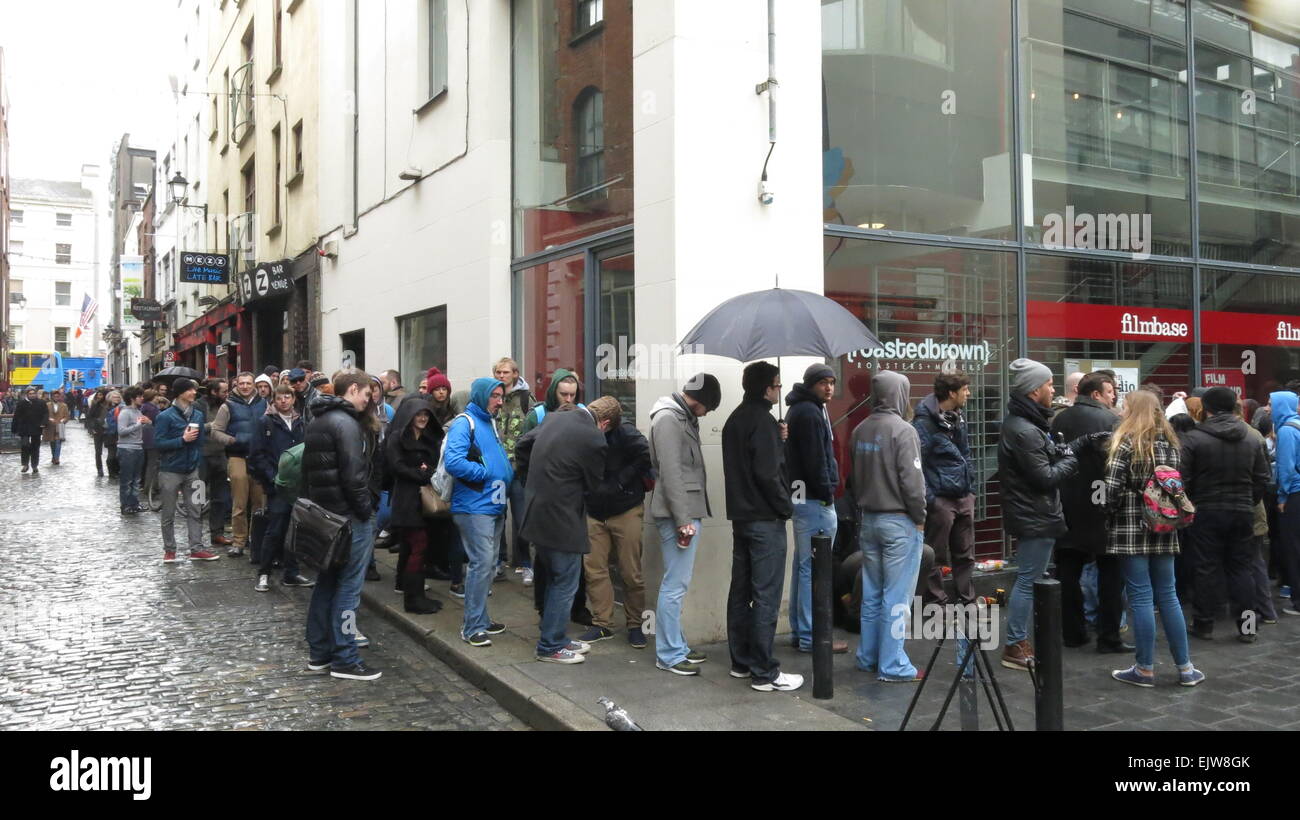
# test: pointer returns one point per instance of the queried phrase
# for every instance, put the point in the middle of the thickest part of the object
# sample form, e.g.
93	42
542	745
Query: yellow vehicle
42	368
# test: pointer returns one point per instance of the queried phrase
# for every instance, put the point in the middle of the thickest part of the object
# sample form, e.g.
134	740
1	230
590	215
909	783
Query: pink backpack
1165	505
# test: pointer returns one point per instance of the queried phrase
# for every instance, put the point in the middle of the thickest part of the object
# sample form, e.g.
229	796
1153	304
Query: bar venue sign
205	268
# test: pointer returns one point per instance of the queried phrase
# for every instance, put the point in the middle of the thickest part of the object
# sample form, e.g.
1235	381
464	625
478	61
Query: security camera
765	194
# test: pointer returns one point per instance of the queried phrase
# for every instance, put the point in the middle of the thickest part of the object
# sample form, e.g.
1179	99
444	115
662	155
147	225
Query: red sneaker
203	555
169	557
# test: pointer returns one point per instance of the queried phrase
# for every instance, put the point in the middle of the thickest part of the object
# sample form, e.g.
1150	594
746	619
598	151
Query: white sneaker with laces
528	576
263	583
362	641
785	682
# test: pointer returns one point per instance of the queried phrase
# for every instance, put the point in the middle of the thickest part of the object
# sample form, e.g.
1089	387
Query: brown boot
1017	655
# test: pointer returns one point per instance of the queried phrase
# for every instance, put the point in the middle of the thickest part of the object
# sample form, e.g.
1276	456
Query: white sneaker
578	647
528	576
263	583
784	683
362	641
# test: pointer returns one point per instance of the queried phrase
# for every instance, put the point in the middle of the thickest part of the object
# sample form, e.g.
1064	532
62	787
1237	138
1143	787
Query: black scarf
1031	411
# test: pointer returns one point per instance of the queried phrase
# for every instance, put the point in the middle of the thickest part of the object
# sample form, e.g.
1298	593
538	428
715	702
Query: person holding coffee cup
178	437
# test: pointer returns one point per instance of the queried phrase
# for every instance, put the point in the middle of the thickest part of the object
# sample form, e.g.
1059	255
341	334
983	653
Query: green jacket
510	418
552	402
288	477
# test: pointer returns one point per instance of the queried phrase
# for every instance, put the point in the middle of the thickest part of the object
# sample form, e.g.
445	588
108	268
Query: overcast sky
80	73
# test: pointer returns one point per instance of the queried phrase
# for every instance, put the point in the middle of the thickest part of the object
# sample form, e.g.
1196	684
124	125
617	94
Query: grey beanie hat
1027	376
815	373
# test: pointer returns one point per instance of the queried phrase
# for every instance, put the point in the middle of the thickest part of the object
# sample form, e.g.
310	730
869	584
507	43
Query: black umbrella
778	322
171	374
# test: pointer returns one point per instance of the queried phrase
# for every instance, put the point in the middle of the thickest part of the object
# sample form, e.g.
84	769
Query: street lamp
179	187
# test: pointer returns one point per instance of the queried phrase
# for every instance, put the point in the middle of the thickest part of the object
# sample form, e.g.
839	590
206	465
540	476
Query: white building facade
52	254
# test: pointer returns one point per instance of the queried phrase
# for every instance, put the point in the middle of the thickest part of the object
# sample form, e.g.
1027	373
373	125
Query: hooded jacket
538	412
1223	469
272	438
477	490
337	458
945	451
411	461
1087	528
510	418
887	475
753	463
1031	468
564	460
627	465
810	448
1287	427
681	490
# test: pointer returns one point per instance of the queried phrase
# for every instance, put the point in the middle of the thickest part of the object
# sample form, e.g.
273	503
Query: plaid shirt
1125	480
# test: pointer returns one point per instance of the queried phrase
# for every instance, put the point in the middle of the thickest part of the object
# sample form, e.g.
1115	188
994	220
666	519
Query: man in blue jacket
1287	428
473	455
949	485
814	475
178	437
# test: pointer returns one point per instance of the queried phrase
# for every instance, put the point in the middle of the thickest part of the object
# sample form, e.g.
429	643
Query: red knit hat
434	379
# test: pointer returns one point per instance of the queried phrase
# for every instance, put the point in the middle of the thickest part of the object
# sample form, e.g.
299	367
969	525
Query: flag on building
88	307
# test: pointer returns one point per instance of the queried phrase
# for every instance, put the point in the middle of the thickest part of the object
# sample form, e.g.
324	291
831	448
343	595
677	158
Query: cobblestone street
100	634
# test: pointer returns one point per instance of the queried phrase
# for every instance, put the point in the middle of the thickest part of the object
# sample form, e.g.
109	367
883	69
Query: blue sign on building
205	268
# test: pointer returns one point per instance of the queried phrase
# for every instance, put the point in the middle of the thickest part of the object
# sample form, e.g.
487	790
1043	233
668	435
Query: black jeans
1223	544
1110	595
1287	547
31	450
218	481
278	512
100	441
757	577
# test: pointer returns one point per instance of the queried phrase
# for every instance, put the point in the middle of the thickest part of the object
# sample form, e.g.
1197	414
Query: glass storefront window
916	119
572	118
1250	331
1105	125
1130	317
550	330
930	308
1248	131
422	344
616	356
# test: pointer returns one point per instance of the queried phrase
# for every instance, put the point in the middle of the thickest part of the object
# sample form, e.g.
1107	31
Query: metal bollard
822	619
1050	695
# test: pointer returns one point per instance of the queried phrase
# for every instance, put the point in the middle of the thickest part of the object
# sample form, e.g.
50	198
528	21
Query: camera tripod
983	672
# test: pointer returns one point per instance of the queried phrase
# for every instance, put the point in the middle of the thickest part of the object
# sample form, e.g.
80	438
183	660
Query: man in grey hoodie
889	487
678	503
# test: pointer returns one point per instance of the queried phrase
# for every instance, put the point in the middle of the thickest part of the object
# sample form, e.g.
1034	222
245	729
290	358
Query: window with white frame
62	254
590	14
63	294
63	220
16	247
61	336
437	54
17	337
16	217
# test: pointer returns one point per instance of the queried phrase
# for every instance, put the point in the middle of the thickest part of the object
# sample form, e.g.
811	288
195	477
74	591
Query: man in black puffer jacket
1226	473
337	462
949	486
1031	468
615	518
1086	539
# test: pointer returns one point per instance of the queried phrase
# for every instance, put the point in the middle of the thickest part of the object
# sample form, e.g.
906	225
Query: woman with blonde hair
1143	441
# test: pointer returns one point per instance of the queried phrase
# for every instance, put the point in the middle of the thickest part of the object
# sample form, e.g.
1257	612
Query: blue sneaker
636	638
1133	676
1191	678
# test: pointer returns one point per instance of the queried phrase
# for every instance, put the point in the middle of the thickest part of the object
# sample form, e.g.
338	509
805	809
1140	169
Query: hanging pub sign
267	281
146	310
205	268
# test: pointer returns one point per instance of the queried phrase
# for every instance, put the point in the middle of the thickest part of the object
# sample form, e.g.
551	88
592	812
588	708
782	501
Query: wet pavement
98	633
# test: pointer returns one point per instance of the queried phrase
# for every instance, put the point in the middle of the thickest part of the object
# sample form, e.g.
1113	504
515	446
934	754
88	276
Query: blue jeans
332	613
130	470
810	518
56	449
565	569
891	559
670	643
1032	555
385	512
1149	579
1088	584
478	536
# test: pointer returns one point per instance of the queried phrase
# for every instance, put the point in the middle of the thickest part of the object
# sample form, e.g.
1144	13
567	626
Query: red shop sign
1074	320
1234	380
